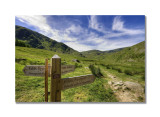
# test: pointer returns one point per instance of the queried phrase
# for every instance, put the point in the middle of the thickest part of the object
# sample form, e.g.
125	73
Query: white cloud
118	25
78	46
107	44
94	24
74	29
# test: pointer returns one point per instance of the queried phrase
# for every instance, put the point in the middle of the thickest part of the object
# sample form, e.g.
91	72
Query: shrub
108	66
119	70
95	71
77	65
143	77
128	72
114	68
21	43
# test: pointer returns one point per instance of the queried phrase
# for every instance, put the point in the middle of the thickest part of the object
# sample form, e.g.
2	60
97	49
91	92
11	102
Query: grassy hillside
130	61
28	38
135	54
97	53
31	89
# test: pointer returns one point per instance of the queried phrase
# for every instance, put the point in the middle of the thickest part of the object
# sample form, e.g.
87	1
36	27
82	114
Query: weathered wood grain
39	70
72	82
46	80
55	79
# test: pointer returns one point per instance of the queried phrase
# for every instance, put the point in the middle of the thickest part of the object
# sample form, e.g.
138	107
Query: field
117	79
31	89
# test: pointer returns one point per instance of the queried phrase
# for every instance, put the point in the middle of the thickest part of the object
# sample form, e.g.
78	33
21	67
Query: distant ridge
133	53
98	52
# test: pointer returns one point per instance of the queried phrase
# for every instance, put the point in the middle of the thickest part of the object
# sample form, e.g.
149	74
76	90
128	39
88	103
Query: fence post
46	80
55	79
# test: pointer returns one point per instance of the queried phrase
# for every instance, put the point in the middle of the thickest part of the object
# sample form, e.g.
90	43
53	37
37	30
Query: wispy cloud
118	25
94	24
74	29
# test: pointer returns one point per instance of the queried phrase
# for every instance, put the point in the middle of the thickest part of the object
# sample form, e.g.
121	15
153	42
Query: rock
124	88
120	83
110	82
134	86
117	87
75	60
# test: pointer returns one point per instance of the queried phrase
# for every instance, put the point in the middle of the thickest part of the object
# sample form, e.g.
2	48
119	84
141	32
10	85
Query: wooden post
56	79
46	80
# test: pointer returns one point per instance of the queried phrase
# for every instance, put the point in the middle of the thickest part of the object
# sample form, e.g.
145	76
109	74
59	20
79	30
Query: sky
88	32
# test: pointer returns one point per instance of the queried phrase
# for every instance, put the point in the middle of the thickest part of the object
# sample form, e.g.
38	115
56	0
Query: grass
31	89
124	77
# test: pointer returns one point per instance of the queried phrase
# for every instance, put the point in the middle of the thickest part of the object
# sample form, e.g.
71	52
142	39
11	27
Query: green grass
124	77
31	89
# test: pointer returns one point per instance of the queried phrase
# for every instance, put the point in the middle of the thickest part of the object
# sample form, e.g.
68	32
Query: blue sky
88	32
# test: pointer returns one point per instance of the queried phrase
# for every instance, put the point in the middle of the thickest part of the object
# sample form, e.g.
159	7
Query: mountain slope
36	40
134	53
93	53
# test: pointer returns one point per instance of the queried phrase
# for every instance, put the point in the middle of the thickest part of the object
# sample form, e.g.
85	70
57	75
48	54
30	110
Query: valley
120	73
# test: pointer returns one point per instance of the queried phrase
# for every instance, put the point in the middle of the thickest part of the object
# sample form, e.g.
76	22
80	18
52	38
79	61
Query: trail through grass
31	89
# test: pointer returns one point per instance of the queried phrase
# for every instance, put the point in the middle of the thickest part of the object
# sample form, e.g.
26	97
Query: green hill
28	38
131	54
97	53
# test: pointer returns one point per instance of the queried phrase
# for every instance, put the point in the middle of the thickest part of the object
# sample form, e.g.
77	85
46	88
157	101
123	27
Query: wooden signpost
55	71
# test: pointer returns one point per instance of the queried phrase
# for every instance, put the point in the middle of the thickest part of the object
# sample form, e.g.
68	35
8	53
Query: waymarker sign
55	70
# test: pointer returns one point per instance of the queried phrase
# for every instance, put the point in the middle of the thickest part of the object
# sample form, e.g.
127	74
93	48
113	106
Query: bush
108	66
119	70
143	77
77	65
21	43
128	72
95	71
114	68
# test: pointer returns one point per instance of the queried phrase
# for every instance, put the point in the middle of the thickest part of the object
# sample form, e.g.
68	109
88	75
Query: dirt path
126	91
